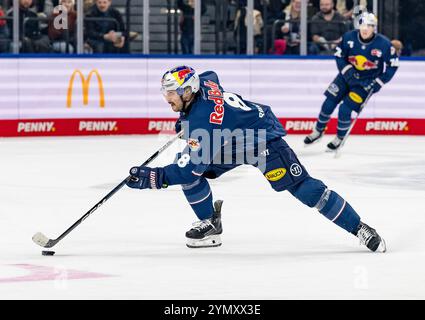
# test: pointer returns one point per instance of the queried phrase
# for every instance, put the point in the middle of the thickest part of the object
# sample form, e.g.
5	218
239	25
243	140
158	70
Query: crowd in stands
44	29
328	20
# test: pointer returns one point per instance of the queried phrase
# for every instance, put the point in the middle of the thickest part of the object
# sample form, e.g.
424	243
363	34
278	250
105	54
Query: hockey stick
45	242
338	151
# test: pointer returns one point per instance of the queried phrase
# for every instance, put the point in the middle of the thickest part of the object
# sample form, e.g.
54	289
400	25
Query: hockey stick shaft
344	140
50	243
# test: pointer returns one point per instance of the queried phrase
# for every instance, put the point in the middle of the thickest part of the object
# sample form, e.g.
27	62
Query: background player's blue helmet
180	78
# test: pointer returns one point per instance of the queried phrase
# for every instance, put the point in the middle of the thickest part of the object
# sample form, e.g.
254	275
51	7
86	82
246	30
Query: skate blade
306	145
337	154
331	150
207	242
382	246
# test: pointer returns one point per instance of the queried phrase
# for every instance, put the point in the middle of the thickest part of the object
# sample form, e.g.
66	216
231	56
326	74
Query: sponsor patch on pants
355	97
333	89
276	174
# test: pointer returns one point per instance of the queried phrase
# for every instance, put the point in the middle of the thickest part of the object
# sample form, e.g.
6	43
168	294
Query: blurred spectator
274	12
88	4
275	9
31	38
187	24
38	5
291	29
346	7
62	37
4	33
412	26
240	29
105	35
287	35
327	28
48	7
398	46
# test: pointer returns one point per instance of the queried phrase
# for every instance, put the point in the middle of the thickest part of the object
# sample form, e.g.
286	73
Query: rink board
74	127
95	96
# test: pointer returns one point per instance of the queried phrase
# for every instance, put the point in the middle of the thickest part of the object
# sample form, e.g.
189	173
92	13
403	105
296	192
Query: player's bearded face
366	31
174	100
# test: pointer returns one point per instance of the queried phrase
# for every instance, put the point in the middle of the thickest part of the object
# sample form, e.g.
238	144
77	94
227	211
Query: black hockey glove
373	86
146	178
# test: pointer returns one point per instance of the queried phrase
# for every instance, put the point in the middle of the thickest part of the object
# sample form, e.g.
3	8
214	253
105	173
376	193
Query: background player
360	57
206	108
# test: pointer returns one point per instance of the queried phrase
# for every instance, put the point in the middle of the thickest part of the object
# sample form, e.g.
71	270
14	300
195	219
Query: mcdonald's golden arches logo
86	86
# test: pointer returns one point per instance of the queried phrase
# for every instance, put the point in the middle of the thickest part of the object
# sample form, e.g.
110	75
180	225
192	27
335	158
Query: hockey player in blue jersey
219	126
366	61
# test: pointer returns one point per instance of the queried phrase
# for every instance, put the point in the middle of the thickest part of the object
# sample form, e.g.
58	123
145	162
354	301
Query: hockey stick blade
42	240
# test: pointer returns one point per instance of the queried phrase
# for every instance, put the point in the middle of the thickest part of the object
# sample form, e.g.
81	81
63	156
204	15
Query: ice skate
313	137
334	144
206	233
370	238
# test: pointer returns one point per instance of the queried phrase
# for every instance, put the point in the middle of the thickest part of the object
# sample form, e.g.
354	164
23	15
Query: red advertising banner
94	126
375	126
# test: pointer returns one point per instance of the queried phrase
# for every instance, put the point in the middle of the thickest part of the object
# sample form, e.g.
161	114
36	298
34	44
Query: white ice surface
273	246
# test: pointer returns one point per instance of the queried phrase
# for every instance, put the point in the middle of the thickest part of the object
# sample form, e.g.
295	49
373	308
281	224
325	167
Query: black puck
47	253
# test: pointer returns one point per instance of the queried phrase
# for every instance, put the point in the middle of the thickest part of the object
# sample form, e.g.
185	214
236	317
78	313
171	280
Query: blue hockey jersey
375	59
216	119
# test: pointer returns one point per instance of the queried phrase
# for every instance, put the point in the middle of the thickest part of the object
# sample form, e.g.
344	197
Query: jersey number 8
234	101
183	161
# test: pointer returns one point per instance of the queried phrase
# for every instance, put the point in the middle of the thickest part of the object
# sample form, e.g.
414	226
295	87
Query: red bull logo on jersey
193	144
361	63
215	95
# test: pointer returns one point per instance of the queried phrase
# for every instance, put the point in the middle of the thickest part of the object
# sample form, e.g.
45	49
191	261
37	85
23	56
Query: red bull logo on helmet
181	74
361	63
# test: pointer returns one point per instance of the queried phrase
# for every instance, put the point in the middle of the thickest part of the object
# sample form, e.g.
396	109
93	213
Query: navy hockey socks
199	196
328	107
314	193
338	210
344	119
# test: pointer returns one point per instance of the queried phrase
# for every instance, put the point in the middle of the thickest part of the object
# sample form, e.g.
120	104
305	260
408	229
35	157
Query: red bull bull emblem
193	144
180	75
362	63
376	53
